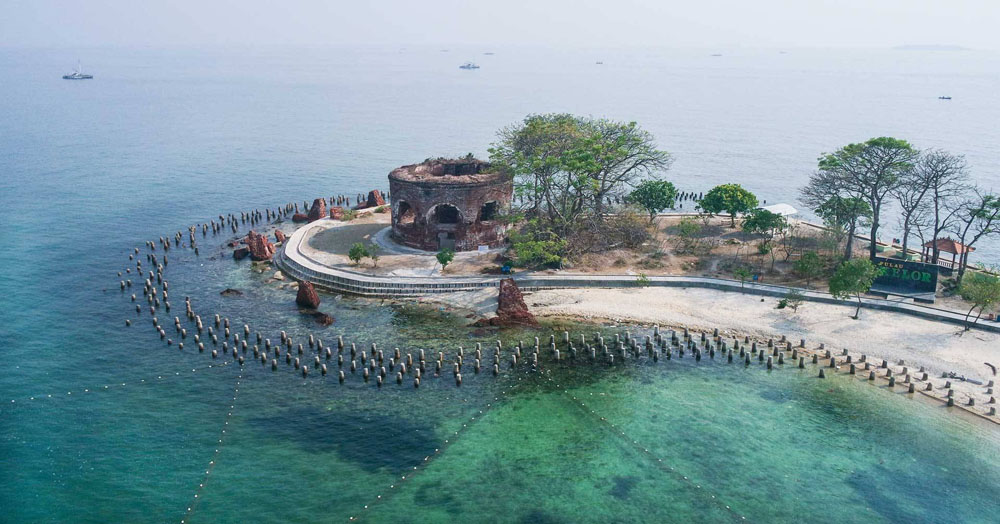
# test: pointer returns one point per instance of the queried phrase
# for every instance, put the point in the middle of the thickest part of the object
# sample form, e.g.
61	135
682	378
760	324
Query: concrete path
294	262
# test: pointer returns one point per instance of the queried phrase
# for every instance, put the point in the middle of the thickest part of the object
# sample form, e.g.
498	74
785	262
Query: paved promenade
294	262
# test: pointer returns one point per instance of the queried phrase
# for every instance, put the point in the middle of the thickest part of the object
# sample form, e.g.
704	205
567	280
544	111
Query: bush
357	252
349	214
539	253
380	209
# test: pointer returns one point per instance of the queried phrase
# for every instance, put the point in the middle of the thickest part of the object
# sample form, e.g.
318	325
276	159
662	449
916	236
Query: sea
100	422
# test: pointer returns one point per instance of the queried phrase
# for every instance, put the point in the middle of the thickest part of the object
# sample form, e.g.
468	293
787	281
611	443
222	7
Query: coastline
935	346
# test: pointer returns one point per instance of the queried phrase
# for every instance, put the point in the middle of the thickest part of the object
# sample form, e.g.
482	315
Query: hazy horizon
555	23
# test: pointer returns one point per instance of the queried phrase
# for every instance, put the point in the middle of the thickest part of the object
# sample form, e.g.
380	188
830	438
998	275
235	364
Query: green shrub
539	253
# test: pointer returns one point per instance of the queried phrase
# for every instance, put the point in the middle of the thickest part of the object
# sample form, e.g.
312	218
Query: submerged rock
300	217
260	247
241	253
230	292
318	210
279	237
321	318
307	296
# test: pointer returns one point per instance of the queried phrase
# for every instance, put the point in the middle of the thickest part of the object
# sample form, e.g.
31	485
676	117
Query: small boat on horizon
468	65
944	98
599	62
78	74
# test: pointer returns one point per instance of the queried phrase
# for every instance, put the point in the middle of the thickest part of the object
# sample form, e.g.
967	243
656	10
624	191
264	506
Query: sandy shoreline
937	347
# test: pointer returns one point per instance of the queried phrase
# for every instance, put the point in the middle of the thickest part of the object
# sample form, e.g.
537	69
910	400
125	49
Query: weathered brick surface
425	198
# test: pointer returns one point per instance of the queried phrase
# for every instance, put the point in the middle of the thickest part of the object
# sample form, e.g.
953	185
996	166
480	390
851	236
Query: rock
307	297
279	237
511	309
230	292
278	275
241	253
336	212
300	217
321	318
318	209
260	247
375	199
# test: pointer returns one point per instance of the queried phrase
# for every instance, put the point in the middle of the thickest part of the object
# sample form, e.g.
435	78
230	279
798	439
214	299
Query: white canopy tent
784	210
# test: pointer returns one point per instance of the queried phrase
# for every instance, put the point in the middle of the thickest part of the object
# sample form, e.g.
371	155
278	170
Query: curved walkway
298	265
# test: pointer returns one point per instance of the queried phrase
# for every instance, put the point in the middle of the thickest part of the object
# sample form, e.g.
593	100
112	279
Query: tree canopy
654	196
729	198
982	290
854	278
870	171
565	166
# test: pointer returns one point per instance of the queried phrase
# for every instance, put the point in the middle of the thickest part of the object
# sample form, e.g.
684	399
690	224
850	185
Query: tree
809	266
982	290
793	299
947	178
444	257
853	278
357	252
764	222
975	218
654	196
565	166
870	171
913	187
373	253
847	214
743	273
731	198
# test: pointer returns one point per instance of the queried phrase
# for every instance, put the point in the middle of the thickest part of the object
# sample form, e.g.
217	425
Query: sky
570	23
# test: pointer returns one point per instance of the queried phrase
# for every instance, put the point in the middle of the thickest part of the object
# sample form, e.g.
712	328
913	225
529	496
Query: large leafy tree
566	166
729	198
654	196
767	224
846	214
854	278
870	170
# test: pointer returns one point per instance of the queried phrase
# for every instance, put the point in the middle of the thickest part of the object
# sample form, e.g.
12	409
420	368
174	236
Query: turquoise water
163	139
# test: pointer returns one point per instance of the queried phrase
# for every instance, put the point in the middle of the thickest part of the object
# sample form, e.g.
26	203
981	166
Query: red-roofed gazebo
947	245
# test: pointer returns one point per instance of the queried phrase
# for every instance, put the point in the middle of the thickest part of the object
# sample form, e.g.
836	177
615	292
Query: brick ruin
443	203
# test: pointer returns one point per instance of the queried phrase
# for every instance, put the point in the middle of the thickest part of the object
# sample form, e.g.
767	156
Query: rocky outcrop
230	292
375	199
279	237
307	296
241	252
511	309
300	217
318	210
336	212
260	247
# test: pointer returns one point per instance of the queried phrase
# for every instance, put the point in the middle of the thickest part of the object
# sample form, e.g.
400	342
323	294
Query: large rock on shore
241	252
307	296
511	309
300	217
336	212
375	199
318	210
260	247
279	236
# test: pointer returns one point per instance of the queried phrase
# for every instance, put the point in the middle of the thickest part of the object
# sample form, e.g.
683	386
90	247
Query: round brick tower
449	203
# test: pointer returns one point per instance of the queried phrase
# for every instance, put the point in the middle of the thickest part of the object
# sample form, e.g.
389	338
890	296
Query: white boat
78	74
468	65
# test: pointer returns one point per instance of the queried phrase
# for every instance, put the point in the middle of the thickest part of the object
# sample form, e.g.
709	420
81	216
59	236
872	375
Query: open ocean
164	138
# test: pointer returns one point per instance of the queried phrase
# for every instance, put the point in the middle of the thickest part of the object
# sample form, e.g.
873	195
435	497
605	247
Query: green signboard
903	276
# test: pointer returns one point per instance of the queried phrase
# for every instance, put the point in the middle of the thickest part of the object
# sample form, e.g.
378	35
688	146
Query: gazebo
947	245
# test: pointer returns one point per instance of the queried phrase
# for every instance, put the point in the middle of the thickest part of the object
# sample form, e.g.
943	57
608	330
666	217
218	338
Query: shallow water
164	139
